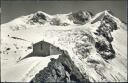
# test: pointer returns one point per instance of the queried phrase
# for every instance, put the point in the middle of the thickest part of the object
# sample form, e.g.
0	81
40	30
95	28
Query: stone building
43	48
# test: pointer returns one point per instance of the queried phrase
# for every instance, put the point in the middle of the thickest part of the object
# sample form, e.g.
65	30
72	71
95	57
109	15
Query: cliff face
62	69
80	17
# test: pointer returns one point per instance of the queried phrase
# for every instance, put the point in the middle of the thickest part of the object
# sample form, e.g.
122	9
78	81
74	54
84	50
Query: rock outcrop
38	17
62	69
104	46
81	17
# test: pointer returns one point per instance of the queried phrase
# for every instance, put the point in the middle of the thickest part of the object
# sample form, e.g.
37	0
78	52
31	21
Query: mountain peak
41	13
39	17
80	17
108	12
84	12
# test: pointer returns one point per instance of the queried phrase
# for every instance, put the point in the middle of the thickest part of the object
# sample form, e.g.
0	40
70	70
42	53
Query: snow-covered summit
40	18
99	16
81	17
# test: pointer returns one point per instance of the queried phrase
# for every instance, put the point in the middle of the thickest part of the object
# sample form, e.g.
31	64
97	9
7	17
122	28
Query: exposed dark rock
8	48
80	17
30	47
60	70
105	49
109	20
38	17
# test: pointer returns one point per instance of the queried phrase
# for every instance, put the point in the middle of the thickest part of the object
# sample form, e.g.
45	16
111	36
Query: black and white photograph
67	41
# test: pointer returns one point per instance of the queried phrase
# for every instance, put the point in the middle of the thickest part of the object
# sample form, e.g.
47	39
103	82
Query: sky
13	9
